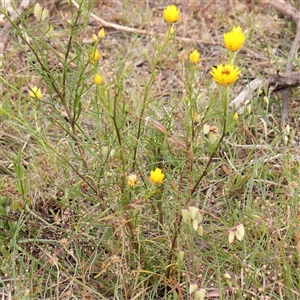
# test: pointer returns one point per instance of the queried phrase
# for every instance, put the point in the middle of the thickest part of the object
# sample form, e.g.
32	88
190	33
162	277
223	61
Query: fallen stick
288	10
144	32
278	83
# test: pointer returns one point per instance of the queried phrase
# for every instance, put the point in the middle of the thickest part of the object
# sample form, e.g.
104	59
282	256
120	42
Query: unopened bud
193	288
101	33
180	255
172	30
200	294
235	116
186	216
266	100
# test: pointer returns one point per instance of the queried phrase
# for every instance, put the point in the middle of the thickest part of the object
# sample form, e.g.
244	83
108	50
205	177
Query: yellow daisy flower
234	39
35	92
225	75
171	14
157	176
194	57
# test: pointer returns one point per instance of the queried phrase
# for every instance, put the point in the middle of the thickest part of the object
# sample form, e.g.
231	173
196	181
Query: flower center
225	72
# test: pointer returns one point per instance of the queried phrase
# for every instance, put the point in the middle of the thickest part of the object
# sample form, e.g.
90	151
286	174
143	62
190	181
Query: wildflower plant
120	176
225	76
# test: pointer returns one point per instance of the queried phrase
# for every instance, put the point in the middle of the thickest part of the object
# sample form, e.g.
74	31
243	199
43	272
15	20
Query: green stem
146	94
230	57
225	106
177	226
114	117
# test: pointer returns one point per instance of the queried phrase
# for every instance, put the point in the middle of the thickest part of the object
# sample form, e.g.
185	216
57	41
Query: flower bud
193	211
235	116
98	79
193	288
101	33
266	100
180	255
186	216
200	294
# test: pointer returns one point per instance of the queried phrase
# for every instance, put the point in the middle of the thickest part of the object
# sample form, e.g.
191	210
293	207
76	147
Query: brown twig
284	8
144	32
277	82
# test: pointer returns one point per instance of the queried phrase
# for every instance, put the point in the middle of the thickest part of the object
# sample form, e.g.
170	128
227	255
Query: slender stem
72	118
230	57
114	117
148	86
61	95
177	226
42	65
225	104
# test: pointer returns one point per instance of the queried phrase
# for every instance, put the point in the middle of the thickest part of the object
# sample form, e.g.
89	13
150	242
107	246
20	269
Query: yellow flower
101	33
35	92
171	14
132	180
234	39
95	56
194	57
98	79
225	75
157	176
235	116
